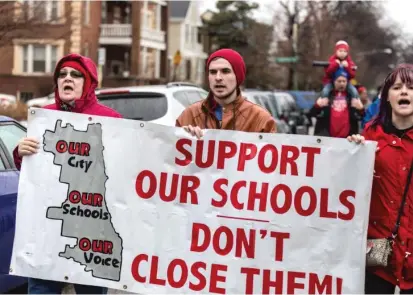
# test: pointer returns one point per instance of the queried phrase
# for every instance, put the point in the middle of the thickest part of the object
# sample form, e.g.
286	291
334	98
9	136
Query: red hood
88	96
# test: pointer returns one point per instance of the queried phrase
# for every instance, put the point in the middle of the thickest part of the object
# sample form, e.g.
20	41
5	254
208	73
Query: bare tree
322	23
19	19
257	56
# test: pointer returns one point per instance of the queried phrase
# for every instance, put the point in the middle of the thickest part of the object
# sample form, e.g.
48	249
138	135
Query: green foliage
230	24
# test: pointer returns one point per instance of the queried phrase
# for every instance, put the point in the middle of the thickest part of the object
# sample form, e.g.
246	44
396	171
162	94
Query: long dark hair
405	72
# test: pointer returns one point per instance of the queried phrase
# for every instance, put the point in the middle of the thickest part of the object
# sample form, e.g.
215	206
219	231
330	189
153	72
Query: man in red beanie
225	108
75	78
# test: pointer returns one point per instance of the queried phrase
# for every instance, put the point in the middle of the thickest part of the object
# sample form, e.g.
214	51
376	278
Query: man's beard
225	97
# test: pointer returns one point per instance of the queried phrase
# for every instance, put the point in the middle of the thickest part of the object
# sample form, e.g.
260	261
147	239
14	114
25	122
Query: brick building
131	34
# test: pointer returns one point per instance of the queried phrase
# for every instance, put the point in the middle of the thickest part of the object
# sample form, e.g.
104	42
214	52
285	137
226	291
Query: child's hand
344	63
338	61
322	102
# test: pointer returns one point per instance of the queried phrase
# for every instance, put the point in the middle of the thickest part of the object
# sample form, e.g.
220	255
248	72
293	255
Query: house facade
185	38
127	39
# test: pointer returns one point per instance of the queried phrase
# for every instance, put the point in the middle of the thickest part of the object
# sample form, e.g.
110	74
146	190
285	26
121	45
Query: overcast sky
399	11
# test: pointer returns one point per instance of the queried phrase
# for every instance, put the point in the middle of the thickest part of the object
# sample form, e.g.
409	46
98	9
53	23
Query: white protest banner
149	209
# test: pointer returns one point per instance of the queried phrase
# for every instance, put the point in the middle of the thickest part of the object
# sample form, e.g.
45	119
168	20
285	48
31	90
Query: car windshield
137	106
10	134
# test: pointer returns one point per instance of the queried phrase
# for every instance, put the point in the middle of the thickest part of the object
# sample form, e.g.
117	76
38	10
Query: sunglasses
73	74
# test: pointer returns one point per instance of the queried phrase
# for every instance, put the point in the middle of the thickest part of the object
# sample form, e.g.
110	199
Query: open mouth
68	88
219	86
404	102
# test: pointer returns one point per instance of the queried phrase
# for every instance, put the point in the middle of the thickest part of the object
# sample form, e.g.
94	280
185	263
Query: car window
181	97
203	94
10	134
137	106
291	102
257	98
266	102
282	103
188	97
274	105
193	96
2	166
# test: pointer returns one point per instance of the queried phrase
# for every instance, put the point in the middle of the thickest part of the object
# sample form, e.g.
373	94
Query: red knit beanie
362	89
342	45
234	58
77	66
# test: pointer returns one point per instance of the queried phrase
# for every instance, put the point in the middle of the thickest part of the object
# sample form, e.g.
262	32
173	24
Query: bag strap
399	215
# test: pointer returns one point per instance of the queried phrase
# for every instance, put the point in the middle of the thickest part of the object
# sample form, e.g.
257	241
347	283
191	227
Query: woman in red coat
75	78
393	131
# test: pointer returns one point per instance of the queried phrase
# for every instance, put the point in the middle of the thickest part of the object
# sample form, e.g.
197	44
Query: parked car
41	101
264	99
161	104
7	99
304	99
10	133
291	113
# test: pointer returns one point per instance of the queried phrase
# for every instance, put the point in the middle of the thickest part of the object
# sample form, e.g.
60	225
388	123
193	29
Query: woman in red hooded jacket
75	78
392	129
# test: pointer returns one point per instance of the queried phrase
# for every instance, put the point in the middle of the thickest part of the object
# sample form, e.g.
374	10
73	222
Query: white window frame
86	16
49	4
145	16
19	55
30	60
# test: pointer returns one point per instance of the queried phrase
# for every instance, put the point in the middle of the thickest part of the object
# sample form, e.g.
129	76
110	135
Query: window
25	58
142	63
53	57
137	106
10	134
188	97
42	10
39	58
127	19
182	98
117	15
203	94
39	10
26	96
150	63
199	37
194	96
152	16
86	11
103	12
188	71
54	10
2	167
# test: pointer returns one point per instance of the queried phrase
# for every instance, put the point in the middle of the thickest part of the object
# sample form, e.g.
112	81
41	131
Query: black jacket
322	127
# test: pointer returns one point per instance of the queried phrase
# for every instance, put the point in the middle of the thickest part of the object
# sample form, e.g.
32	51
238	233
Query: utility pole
295	53
293	24
295	42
